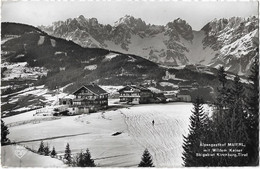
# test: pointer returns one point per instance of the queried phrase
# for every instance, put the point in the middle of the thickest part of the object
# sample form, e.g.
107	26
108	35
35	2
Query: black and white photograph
120	83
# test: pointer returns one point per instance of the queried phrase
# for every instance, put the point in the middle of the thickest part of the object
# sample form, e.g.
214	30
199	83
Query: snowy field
163	140
28	160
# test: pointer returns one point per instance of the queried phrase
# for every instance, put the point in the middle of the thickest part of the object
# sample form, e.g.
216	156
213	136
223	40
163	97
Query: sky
197	14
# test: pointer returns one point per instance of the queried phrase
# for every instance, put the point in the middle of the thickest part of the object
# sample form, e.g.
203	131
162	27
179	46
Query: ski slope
95	131
164	139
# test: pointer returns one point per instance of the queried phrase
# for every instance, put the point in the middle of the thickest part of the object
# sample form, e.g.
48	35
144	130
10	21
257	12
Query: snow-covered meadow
29	159
95	131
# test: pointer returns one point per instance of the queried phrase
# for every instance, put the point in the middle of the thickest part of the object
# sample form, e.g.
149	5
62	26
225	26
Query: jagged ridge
217	43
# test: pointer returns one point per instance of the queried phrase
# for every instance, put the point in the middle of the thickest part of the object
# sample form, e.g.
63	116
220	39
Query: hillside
60	61
36	67
31	54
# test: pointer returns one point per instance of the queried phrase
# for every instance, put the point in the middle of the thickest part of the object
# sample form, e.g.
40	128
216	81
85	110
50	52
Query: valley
42	65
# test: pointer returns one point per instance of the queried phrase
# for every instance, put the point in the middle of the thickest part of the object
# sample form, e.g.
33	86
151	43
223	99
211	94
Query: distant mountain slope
235	41
128	35
25	47
31	58
218	43
39	49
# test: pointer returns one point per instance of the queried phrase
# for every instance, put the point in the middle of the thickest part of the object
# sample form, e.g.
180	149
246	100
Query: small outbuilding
184	96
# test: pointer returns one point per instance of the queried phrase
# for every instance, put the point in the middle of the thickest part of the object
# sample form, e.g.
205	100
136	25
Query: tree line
235	119
82	159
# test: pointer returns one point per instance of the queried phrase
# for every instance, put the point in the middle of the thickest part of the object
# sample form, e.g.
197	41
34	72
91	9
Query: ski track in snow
156	138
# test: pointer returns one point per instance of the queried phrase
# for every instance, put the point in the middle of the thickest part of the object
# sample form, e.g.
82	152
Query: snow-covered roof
93	88
155	90
134	87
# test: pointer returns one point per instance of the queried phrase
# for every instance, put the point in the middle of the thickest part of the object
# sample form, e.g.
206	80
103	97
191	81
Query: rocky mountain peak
124	20
136	24
172	44
81	20
181	27
93	22
217	26
180	21
81	17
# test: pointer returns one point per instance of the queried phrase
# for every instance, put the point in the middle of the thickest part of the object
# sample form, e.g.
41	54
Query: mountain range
229	42
31	57
30	54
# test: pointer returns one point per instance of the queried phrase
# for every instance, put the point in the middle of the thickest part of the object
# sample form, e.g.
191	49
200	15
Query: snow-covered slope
197	52
164	140
30	159
129	35
235	41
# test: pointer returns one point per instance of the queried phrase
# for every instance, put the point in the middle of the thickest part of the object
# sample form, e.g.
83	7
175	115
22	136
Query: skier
153	122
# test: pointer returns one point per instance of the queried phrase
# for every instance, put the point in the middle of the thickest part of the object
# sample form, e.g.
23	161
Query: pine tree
67	155
41	148
222	76
79	161
222	97
4	133
191	144
229	123
253	113
85	160
53	152
220	130
146	160
46	150
89	162
237	121
238	115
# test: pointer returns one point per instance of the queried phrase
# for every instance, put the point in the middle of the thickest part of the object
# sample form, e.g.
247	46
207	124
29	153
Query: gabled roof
134	87
93	88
